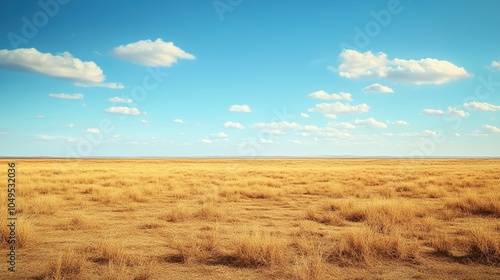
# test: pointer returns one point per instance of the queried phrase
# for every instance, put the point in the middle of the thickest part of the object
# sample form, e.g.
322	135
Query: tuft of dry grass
68	265
259	250
363	246
179	213
108	251
484	246
475	204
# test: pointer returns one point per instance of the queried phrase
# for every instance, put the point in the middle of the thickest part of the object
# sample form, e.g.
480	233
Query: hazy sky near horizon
249	78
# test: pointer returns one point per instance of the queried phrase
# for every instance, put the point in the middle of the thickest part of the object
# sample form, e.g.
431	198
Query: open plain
255	219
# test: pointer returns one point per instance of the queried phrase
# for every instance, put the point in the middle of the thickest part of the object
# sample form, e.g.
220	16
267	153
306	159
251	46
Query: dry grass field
255	219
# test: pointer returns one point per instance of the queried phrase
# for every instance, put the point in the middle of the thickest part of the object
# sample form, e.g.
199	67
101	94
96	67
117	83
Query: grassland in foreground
256	219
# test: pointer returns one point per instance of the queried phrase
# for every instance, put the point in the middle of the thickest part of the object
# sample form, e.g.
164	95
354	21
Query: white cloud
495	65
377	88
117	99
304	115
233	125
220	135
279	128
151	53
330	110
276	128
240	108
93	130
370	122
70	125
66	96
63	66
492	129
123	110
206	140
144	121
39	116
481	106
398	122
457	112
104	85
344	125
429	132
178	121
53	137
321	94
433	112
424	71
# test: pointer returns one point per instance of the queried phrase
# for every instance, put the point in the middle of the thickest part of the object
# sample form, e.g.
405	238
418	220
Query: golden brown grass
256	219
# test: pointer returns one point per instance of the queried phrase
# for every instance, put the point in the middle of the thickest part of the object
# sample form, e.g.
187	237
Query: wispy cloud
433	112
39	117
93	130
151	53
233	125
103	85
240	108
457	112
117	99
370	122
481	106
123	110
424	71
491	128
377	88
495	65
323	95
304	115
400	122
144	121
178	121
330	110
66	95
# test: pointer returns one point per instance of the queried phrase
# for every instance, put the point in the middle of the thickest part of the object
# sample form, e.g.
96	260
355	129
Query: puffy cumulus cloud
63	66
370	122
233	125
433	112
117	99
424	71
151	53
330	110
481	106
377	88
457	112
93	130
401	123
495	65
492	129
321	94
178	121
66	95
240	108
304	115
123	110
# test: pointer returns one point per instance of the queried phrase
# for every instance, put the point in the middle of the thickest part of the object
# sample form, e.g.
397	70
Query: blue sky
249	78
